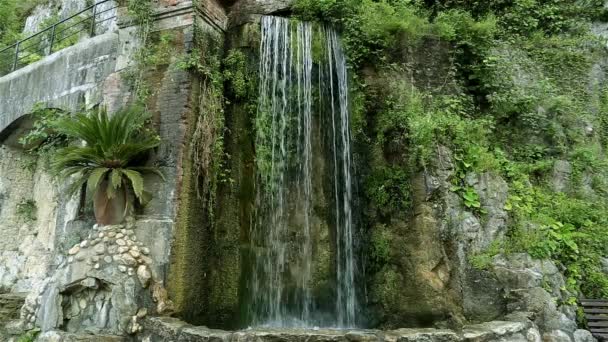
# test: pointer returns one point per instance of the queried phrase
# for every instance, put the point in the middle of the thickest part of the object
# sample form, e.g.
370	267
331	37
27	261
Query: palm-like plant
111	157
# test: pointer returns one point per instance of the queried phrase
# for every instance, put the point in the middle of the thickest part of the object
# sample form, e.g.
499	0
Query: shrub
114	150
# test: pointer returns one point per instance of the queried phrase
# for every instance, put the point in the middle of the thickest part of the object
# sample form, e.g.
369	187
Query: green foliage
207	141
483	260
113	151
29	336
42	139
240	82
380	248
13	14
468	193
141	11
521	17
388	188
369	27
26	209
522	72
568	230
160	50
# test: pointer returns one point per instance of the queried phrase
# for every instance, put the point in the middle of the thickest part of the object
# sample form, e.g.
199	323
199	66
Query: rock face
10	308
35	223
96	289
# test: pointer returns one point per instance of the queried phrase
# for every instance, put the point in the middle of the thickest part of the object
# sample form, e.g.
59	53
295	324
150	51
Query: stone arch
11	132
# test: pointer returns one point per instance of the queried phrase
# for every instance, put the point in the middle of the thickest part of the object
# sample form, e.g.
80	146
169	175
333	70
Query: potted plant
110	159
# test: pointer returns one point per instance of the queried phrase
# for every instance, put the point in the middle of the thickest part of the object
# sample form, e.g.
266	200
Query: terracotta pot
110	211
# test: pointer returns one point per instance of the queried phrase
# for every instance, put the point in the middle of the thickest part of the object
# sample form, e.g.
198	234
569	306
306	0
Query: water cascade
303	138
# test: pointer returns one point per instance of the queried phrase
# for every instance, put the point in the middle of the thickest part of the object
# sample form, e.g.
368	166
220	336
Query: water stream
303	98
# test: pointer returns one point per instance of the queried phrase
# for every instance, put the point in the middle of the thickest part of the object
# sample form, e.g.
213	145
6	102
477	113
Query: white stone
123	249
129	243
106	239
70	260
121	242
101	235
112	234
82	303
130	271
96	266
146	259
80	257
122	268
144	275
134	254
107	259
120	235
145	250
74	250
84	244
100	249
125	259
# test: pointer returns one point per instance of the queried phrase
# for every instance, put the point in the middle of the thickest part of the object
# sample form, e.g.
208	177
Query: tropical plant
112	157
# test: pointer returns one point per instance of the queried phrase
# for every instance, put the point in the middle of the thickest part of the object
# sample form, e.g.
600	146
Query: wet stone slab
157	329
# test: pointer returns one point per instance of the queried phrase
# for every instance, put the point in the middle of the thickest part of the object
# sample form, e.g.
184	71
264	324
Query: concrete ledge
157	329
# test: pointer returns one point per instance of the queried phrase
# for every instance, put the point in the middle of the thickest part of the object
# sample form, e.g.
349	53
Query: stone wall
35	220
35	257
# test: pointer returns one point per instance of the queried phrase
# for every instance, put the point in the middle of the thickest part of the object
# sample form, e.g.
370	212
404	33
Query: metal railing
58	36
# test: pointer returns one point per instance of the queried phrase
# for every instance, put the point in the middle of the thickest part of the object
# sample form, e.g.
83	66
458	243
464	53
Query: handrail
45	46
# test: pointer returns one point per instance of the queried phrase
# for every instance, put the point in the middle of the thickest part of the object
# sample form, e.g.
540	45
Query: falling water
282	240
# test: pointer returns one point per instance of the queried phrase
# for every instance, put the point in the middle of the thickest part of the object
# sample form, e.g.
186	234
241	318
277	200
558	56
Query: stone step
61	336
10	306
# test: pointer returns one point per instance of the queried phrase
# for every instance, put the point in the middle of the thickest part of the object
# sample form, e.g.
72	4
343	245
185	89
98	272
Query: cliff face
480	180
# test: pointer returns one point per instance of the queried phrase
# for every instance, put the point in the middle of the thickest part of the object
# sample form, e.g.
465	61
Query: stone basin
166	329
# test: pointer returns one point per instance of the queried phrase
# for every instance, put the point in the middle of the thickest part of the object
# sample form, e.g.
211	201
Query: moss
188	257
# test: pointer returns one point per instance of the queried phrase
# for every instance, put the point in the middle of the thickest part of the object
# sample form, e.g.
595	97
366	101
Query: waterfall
289	111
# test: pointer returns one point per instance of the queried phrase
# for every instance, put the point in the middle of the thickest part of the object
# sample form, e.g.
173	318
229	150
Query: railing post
16	56
93	21
52	39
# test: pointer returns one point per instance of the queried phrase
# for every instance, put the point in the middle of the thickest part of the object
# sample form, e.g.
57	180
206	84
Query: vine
207	141
141	11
